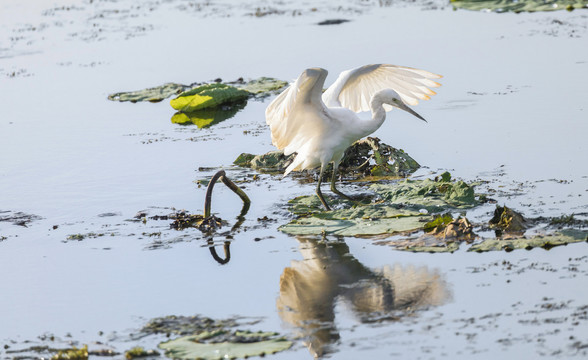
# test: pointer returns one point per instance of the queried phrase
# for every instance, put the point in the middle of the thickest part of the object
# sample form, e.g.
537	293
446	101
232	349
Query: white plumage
319	126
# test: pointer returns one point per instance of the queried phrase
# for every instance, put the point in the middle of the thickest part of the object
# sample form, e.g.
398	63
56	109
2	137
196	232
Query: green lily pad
238	344
375	219
208	96
264	86
434	196
399	212
562	237
207	117
519	5
155	94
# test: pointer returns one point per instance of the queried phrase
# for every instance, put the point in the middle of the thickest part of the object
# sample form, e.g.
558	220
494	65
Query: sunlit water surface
511	110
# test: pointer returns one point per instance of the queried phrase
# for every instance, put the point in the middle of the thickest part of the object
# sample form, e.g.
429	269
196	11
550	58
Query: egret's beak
410	111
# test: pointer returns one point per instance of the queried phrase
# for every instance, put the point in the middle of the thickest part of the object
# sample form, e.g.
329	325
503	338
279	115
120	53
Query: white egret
319	126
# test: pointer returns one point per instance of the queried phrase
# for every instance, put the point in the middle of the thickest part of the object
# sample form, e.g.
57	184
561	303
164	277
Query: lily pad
501	6
264	86
399	212
208	96
375	219
237	344
431	195
207	117
155	94
562	237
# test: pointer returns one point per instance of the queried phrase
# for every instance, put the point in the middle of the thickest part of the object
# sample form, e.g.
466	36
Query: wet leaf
240	344
264	86
562	237
155	94
434	196
519	5
376	219
208	96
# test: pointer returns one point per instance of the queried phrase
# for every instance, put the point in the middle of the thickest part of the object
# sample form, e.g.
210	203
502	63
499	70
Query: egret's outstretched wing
354	88
297	112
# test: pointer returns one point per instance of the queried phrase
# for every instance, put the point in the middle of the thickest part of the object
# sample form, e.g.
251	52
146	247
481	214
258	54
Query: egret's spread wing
298	111
354	88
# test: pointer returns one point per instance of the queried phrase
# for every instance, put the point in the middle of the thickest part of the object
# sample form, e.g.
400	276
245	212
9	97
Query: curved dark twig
237	190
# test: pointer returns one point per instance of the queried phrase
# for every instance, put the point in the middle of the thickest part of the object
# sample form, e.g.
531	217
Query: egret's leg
318	189
334	180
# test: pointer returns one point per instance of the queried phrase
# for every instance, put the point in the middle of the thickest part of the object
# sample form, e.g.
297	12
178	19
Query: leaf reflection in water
329	274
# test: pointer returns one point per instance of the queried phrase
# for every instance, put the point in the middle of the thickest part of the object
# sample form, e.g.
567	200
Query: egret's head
392	98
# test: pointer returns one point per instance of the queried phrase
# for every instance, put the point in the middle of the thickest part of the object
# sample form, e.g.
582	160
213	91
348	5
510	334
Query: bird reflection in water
330	275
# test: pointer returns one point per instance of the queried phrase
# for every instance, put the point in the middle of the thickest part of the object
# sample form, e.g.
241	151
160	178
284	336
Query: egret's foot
345	196
322	199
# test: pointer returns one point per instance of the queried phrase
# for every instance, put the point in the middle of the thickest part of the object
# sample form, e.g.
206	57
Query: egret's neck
378	115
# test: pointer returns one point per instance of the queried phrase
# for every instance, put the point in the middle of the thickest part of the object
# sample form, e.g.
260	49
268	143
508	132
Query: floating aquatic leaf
238	344
208	96
519	5
375	219
207	117
434	196
562	237
155	94
399	212
263	86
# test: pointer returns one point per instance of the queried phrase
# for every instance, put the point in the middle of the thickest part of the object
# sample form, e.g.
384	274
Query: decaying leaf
264	86
155	94
547	241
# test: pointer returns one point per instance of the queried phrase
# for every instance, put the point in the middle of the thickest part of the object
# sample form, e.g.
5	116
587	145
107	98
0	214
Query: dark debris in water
18	218
333	22
189	325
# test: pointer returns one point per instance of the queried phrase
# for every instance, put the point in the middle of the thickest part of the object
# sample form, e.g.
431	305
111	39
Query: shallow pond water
511	111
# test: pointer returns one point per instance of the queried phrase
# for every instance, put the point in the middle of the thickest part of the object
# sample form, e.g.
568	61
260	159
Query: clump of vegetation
139	352
72	354
365	158
507	220
438	223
